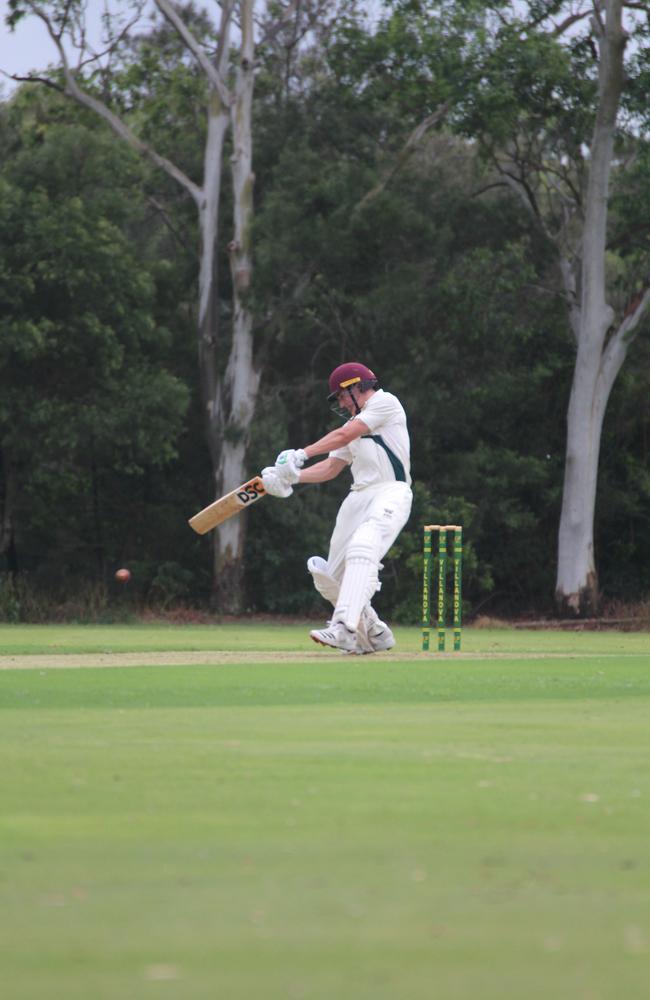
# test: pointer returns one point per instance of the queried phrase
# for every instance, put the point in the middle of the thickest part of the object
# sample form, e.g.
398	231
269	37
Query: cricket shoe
380	637
373	635
337	636
374	638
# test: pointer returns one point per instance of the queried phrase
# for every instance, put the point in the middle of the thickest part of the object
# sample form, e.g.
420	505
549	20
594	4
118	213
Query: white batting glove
274	484
289	463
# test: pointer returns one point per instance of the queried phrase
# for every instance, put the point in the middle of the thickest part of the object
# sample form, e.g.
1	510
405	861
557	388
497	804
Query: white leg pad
359	584
325	584
369	617
360	579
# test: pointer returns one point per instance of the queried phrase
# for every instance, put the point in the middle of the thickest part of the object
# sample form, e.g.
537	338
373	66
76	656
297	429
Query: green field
308	825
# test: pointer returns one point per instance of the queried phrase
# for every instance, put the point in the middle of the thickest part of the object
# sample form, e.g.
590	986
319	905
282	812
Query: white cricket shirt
384	455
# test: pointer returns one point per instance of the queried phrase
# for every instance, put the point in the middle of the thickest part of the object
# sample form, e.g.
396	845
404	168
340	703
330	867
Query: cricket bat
232	503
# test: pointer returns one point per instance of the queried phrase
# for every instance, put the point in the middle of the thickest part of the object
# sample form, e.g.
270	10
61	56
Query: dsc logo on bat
252	491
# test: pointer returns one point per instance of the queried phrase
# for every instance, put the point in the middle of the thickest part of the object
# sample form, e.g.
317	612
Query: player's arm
289	463
337	438
321	472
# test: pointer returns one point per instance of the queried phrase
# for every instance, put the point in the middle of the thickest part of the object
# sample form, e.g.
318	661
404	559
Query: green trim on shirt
398	468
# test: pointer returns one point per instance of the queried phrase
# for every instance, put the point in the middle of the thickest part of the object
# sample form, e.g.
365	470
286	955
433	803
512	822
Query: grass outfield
316	826
39	639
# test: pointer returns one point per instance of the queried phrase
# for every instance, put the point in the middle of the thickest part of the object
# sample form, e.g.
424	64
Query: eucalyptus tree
229	368
585	141
555	95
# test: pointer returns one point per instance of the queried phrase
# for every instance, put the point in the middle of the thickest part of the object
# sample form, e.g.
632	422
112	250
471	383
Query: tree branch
222	44
597	20
72	89
568	22
34	79
185	242
634	313
402	157
487	187
523	191
95	56
169	12
617	345
277	26
562	176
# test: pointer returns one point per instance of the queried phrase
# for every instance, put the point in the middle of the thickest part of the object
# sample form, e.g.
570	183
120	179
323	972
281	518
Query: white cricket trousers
384	508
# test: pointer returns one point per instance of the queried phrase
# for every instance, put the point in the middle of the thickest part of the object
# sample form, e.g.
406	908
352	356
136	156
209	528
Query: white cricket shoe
373	637
380	637
335	635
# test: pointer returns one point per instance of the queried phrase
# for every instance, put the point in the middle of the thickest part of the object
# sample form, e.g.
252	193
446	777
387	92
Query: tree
86	394
546	90
567	188
229	371
602	337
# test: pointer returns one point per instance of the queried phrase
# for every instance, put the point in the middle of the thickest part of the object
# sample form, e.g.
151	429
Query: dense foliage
440	281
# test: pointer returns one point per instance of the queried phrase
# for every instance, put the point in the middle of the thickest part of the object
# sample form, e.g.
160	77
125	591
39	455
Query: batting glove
274	484
289	463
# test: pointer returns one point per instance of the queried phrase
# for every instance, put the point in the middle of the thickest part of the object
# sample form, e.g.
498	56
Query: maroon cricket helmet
348	375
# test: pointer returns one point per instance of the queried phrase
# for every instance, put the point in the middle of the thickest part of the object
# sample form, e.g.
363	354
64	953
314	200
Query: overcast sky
29	46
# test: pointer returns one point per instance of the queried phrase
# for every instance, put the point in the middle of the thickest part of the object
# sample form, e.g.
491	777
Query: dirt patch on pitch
54	661
167	659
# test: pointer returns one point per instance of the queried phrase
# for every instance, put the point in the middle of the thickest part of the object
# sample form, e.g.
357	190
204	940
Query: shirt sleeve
343	453
378	410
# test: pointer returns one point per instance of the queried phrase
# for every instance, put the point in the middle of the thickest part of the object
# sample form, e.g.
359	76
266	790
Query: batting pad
325	584
361	576
358	586
369	617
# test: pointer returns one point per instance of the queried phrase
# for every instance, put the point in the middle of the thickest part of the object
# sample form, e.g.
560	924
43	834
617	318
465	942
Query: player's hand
289	463
274	485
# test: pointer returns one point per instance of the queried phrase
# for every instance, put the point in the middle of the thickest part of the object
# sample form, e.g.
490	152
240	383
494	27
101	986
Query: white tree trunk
242	377
576	588
208	331
577	583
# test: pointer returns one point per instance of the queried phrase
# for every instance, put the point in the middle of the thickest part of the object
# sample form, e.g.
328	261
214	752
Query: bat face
232	503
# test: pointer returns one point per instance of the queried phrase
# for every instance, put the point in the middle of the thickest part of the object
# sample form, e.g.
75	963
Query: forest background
389	226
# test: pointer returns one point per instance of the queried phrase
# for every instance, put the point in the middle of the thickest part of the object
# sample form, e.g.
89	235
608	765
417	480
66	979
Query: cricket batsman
374	442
